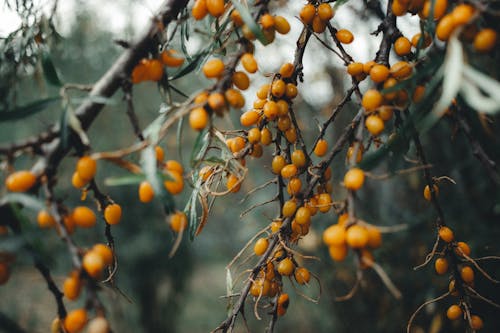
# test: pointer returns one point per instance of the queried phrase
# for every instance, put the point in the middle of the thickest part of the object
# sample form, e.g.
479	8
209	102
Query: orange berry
281	25
440	7
454	312
359	156
476	323
321	148
86	168
287	70
402	46
260	287
249	118
178	221
249	63
374	124
385	112
278	88
278	163
199	10
261	246
20	181
154	70
175	183
75	320
45	220
160	154
146	192
445	27
379	73
302	275
286	267
338	253
233	183
72	286
367	66
84	217
372	99
267	21
325	12
303	215
205	172
366	259
265	136
399	8
284	122
288	171
283	301
105	252
355	68
462	13
213	68
77	182
427	40
344	36
236	18
113	213
441	265
298	158
234	98
318	26
289	208
485	40
170	58
354	179
294	186
93	264
217	102
462	248
334	235
69	223
253	135
291	135
446	234
357	236
174	165
324	202
276	225
241	80
401	70
215	7
140	72
374	237
307	13
271	110
467	274
291	91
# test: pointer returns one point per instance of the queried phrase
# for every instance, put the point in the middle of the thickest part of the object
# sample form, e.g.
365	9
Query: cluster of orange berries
316	16
341	236
173	172
152	69
441	265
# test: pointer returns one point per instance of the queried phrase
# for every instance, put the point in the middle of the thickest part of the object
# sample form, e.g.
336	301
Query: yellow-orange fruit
215	7
175	183
374	124
234	98
113	213
485	40
463	13
249	118
334	235
241	80
462	249
178	221
72	286
427	40
199	10
105	252
159	153
446	234
217	102
146	192
213	68
476	323
289	208
45	220
445	27
286	70
291	91
77	182
171	58
154	70
260	246
354	179
233	183
321	148
236	18
399	8
249	63
325	12
357	236
84	217
294	186
174	165
288	171
439	8
374	237
253	135
454	312
401	70
379	73
324	202
98	325
372	99
281	25
344	36
355	68
75	320
302	275
93	264
318	25
271	110
286	267
267	21
402	46
441	266
307	13
86	168
20	181
338	253
303	215
467	274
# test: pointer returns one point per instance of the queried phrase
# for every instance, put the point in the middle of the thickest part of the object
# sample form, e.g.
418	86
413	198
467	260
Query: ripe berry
160	154
213	68
467	274
86	168
178	221
77	182
357	236
84	217
234	98
276	225
441	265
446	234
389	83
302	275
401	70
374	124
278	163
286	70
146	192
445	27
325	12
485	40
374	237
105	252
321	148
236	18
170	58
249	63
454	312
175	183
372	99
283	302
307	13
379	73
462	248
215	7
288	171
303	215
260	287
289	208
113	213
249	118
291	91
271	110
402	46
427	40
278	88
399	8
291	135
338	253
45	220
72	286
260	246
298	158
344	36
75	320
324	202
281	25
334	235
318	26
354	179
253	135
462	13
233	183
355	68
198	118
476	323
265	136
294	186
286	267
93	264
98	325
267	21
20	181
241	80
199	10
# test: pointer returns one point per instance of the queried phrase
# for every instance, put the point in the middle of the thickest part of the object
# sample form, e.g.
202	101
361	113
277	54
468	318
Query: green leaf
49	70
250	22
27	110
125	180
196	61
200	147
26	200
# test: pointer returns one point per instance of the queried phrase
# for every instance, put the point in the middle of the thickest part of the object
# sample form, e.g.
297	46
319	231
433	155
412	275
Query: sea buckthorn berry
418	94
291	135
171	58
286	70
236	18
439	8
271	110
318	25
445	27
367	66
462	248
45	220
284	123
98	325
379	73
213	68
278	163
452	289
263	91
303	215
159	153
374	237
355	68
77	182
253	135
291	91
174	165
205	172
325	12
324	202
139	73
234	98
389	83
201	98
113	213
312	204
357	236
401	70
241	80
302	275
215	7
267	21
344	36
462	13
476	323
427	40
307	13
154	70
249	63
374	124
72	286
294	186
86	168
485	40
289	208
276	225
233	183
321	148
20	181
174	183
334	235
372	99
178	221
217	102
281	25
359	156
84	217
259	103
283	302
265	136
354	179
278	88
247	32
75	320
402	46
93	264
261	246
286	267
288	171
146	192
260	287
446	234
385	112
249	118
399	8
338	253
199	10
198	118
105	252
454	312
441	265
467	274
298	158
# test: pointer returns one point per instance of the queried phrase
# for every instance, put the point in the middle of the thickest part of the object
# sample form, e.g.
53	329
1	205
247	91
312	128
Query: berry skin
86	168
441	265
199	10
154	70
278	88
462	248
318	26
334	235
344	36
446	234
283	302
401	70
355	68
278	163
357	236
84	217
303	216
379	73
284	123
146	192
399	8
234	98
72	286
321	148
298	158
325	12
281	25
75	320
198	119
261	246
175	183
485	40
170	58
289	208
253	135
307	13
93	264
45	220
445	27
20	181
271	110
439	9
105	252
233	183
77	182
260	287
249	118
286	70
249	63
374	237
427	192
427	40
286	267
294	186
160	154
467	274
462	13
402	46
241	80
354	179
324	202
178	222
302	275
454	312
291	91
288	171
338	253
372	99
215	7
476	323
113	214
213	68
374	124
